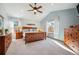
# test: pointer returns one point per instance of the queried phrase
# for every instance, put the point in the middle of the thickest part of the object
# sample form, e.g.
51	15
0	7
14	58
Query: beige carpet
43	47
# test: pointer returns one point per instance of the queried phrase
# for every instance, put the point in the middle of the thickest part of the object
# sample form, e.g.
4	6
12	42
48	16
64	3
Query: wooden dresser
5	41
19	35
71	38
34	36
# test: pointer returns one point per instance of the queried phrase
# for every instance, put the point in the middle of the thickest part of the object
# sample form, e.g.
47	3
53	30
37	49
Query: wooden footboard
30	37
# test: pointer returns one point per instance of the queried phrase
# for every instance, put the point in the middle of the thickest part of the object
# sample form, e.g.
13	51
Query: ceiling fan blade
35	4
30	10
30	5
39	7
34	13
39	11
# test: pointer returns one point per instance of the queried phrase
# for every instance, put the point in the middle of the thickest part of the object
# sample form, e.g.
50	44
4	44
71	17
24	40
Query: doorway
12	30
52	29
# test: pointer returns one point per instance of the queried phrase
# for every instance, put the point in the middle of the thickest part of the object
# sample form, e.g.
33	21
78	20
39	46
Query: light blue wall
4	14
66	18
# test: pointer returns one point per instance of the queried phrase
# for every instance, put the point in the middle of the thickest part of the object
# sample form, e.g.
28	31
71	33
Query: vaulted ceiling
19	10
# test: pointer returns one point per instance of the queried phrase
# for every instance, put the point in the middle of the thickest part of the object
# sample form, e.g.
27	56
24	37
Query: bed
34	36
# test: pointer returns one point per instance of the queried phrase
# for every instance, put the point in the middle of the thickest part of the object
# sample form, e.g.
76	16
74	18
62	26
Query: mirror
1	24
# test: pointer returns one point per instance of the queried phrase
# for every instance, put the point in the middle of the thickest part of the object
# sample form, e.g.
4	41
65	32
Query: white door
56	29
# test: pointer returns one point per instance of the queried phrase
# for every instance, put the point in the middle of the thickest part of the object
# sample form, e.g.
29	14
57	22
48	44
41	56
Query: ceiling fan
35	8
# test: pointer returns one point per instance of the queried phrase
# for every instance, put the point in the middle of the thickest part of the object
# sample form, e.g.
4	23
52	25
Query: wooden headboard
25	27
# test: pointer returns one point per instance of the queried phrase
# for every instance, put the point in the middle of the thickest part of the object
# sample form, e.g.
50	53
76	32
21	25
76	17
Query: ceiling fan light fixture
35	11
35	8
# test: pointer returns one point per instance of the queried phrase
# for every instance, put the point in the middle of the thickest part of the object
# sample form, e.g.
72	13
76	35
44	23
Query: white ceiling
19	10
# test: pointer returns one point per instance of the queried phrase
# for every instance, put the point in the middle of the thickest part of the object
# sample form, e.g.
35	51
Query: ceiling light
35	11
35	8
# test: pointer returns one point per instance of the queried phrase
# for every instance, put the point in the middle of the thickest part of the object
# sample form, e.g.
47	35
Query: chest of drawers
4	43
